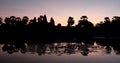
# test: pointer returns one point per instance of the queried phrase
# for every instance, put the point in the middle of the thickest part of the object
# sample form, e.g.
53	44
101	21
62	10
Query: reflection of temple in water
59	48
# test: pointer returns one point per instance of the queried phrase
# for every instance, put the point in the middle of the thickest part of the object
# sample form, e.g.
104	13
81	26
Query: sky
60	10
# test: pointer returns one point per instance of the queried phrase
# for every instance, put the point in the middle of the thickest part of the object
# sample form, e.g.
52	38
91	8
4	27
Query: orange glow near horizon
60	10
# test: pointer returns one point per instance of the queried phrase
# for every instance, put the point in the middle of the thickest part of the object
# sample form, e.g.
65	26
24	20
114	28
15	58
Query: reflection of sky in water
97	54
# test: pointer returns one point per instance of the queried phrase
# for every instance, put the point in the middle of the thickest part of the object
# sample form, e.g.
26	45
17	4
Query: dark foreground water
61	52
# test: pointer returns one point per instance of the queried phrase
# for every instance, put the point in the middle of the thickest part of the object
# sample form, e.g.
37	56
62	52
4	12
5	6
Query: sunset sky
60	10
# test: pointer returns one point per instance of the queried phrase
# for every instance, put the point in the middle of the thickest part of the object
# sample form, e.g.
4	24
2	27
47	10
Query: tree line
15	28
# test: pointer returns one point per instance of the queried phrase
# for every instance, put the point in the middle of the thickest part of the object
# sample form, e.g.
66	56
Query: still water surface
62	52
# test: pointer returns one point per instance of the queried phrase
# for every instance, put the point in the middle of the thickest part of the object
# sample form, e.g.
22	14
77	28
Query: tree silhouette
1	22
25	20
33	21
84	23
12	19
18	19
40	19
45	19
84	27
52	22
84	18
70	21
59	25
107	20
7	20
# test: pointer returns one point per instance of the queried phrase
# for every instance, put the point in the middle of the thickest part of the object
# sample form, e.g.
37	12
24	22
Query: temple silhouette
39	29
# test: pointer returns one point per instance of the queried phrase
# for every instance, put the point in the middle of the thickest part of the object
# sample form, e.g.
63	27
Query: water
61	52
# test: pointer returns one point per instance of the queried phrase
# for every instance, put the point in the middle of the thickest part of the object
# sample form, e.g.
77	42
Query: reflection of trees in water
116	47
12	48
61	48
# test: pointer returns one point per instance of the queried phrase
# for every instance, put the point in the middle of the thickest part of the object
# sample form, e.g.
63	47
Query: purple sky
60	10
